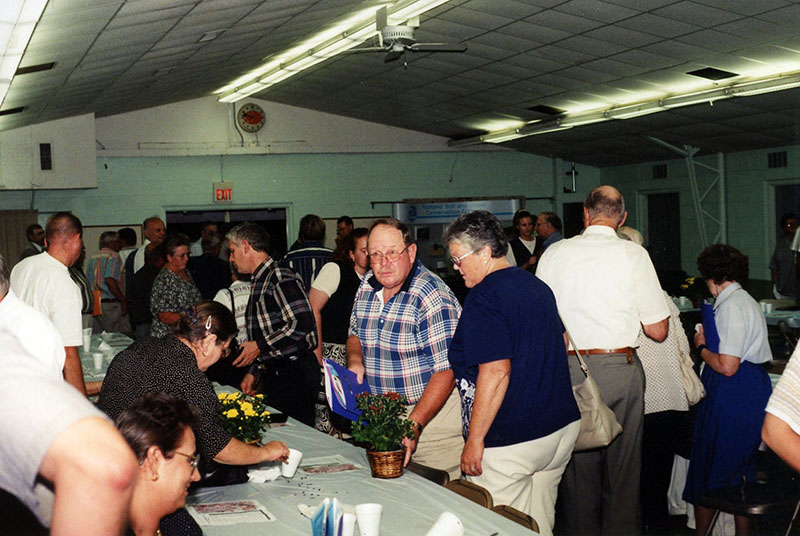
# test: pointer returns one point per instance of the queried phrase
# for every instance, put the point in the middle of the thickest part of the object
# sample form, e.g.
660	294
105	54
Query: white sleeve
327	280
224	297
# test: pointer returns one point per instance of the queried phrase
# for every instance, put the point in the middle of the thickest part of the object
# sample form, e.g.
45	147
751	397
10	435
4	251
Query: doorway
273	220
664	236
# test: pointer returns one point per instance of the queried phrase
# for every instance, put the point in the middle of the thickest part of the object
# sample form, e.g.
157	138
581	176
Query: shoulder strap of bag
584	368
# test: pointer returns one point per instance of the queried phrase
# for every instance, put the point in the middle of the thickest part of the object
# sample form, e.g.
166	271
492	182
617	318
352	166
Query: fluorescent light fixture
742	88
337	39
637	110
767	86
18	18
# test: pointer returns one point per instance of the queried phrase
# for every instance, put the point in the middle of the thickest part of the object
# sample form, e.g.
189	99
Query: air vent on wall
777	159
660	171
46	157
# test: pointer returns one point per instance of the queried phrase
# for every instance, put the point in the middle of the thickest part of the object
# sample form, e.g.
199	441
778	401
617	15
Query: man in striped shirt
105	274
403	319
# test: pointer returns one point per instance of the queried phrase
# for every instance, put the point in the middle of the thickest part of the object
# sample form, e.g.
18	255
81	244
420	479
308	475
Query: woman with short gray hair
519	417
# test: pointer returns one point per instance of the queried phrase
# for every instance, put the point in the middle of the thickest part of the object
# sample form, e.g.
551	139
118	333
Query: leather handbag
599	425
691	383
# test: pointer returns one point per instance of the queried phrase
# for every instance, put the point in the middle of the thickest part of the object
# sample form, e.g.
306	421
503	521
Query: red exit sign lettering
223	192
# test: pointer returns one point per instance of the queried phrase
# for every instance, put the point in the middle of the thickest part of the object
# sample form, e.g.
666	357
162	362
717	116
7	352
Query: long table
411	504
117	341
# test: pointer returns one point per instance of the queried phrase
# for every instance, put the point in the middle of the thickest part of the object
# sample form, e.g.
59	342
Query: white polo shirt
36	334
604	286
44	283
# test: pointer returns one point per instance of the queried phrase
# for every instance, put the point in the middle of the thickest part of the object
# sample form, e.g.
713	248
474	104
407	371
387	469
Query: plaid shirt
405	340
279	317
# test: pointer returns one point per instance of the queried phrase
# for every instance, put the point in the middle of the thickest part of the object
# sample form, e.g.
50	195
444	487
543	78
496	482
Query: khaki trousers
441	443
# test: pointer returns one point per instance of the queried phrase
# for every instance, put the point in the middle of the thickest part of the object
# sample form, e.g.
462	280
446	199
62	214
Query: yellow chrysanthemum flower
231	414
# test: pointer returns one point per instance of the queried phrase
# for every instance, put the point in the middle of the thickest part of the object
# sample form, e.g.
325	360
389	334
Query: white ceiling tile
659	26
534	32
477	19
565	22
600	11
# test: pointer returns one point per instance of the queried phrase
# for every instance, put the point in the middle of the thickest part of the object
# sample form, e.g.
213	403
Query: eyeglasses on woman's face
376	257
194	460
457	260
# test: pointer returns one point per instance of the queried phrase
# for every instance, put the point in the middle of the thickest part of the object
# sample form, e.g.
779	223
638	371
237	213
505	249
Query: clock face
251	117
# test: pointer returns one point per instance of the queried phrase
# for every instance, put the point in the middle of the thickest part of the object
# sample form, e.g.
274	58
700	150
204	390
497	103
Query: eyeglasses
457	261
194	460
377	257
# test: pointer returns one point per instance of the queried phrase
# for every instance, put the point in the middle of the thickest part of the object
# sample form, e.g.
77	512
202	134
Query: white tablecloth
411	504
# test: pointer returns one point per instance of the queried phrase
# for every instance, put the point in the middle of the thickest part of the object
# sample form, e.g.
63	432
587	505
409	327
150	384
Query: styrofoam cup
289	467
87	339
348	524
98	360
769	307
369	519
448	524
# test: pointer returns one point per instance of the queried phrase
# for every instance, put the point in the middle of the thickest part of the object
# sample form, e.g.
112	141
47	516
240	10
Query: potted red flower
382	428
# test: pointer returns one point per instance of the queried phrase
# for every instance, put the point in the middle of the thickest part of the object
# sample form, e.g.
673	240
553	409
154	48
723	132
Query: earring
154	477
205	353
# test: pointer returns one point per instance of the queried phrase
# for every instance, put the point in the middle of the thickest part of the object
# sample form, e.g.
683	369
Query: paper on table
335	463
229	513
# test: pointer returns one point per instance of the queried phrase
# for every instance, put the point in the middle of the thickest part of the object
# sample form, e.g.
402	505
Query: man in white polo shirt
36	333
43	282
606	290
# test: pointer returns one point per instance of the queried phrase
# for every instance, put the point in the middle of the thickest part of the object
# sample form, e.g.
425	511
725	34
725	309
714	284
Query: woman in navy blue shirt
519	416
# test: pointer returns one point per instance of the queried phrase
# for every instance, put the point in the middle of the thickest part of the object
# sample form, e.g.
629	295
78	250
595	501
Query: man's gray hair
4	277
603	203
256	236
107	237
476	230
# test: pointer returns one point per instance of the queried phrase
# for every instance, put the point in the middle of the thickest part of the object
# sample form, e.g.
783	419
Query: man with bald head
607	291
43	282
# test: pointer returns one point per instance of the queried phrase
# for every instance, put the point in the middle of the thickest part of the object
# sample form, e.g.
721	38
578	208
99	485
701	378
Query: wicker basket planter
386	464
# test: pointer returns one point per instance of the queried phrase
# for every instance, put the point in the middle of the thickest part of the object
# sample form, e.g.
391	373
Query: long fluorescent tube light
321	47
19	18
742	88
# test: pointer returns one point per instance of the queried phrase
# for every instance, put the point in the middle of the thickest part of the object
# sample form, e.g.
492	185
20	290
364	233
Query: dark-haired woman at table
176	365
728	428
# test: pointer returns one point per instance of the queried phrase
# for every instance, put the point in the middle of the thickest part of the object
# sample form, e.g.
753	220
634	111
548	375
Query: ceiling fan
395	40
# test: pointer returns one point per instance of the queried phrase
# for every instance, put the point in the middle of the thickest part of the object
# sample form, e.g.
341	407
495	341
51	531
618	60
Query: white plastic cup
289	468
348	524
369	519
763	306
87	339
448	524
769	307
97	357
684	301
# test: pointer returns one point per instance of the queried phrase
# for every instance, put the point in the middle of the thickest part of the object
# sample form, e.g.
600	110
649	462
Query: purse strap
584	368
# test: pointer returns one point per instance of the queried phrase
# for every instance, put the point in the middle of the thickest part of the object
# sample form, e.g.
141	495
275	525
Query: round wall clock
250	117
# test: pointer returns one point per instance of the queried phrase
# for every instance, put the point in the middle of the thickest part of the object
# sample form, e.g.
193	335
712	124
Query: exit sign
223	192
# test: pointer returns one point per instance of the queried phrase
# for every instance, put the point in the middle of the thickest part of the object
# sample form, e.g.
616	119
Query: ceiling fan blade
392	55
438	47
381	18
366	49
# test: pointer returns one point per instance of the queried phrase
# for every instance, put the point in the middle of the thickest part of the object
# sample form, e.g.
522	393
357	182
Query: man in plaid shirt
403	319
280	326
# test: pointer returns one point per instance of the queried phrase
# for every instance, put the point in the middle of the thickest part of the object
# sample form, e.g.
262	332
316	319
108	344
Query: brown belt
627	350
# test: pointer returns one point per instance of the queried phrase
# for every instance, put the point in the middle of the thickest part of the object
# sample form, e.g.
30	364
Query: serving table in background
411	504
117	341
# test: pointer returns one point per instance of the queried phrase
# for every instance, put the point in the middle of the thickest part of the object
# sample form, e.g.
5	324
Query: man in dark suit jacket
35	235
